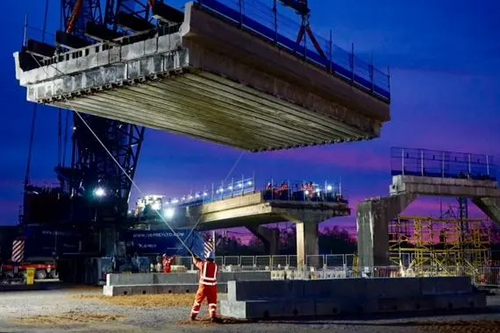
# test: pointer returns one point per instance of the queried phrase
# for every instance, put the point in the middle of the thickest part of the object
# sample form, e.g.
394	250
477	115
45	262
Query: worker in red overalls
167	263
207	287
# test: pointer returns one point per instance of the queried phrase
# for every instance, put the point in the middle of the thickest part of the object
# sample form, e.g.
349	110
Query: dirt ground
68	319
462	326
146	301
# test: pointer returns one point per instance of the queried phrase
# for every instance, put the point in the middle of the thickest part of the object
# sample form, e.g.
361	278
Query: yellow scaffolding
427	246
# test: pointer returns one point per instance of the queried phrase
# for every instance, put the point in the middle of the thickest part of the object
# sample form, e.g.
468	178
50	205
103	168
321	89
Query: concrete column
307	242
489	206
373	228
270	238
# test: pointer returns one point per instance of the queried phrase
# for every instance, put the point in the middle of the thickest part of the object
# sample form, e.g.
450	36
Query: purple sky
445	66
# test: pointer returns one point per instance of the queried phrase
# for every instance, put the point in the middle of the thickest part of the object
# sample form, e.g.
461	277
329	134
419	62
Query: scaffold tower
427	246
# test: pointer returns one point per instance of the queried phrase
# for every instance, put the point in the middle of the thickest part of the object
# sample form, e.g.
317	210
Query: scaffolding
427	246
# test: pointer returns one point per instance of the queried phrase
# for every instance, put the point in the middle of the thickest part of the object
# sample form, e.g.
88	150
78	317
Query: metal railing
339	266
443	164
258	18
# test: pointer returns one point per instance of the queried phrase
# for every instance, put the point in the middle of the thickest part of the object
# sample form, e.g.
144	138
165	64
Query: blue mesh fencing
258	17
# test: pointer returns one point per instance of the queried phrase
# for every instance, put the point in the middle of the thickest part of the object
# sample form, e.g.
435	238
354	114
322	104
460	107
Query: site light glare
169	213
175	201
306	192
99	192
156	206
197	196
230	188
205	194
249	183
329	188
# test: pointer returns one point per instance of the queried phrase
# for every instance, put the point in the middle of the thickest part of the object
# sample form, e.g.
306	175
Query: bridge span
305	204
216	74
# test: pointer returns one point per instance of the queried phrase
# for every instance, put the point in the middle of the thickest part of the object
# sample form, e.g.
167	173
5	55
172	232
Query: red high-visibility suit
167	264
207	288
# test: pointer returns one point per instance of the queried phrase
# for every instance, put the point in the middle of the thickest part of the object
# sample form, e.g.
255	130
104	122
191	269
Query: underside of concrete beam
490	206
373	227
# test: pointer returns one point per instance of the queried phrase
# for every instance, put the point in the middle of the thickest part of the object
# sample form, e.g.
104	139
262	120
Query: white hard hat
211	255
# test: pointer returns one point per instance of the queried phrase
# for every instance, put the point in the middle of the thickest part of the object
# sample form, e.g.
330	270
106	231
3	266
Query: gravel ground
65	307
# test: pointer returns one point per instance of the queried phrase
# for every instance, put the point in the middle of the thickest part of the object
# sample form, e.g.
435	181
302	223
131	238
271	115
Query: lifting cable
121	168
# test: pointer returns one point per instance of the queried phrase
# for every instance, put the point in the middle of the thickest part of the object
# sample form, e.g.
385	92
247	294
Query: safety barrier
258	18
441	164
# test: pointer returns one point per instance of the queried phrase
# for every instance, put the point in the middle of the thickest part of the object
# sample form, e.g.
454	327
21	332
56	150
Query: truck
35	247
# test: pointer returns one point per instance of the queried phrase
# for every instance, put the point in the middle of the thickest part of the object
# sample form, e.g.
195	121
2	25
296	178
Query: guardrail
441	164
258	18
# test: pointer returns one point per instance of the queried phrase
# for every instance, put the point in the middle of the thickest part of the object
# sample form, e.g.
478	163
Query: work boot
213	319
193	318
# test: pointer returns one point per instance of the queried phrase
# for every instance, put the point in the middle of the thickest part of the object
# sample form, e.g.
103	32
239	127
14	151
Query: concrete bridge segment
374	214
252	211
209	80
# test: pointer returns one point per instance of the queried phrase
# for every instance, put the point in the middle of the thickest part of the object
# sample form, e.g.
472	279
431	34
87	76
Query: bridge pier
307	244
373	227
270	238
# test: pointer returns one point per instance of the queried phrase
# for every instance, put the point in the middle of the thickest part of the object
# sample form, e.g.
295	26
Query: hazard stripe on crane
17	250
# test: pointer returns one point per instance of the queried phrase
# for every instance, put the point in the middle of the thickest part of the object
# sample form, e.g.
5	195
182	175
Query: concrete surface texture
135	319
373	215
211	81
294	298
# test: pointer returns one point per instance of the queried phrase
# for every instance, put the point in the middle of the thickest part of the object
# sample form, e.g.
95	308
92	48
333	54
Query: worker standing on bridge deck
207	287
167	263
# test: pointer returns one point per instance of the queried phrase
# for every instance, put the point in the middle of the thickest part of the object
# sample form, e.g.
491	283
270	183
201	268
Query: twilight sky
445	65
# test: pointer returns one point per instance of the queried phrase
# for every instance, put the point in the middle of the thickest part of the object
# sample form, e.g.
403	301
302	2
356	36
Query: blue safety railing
442	164
231	189
303	191
271	190
259	18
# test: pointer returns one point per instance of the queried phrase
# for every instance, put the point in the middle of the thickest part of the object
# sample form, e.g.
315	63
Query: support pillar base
373	228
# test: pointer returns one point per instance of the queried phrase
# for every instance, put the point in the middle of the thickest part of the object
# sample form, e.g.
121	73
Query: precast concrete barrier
305	298
158	283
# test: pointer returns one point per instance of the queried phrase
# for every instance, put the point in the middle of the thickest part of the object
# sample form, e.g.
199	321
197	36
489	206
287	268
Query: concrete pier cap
209	80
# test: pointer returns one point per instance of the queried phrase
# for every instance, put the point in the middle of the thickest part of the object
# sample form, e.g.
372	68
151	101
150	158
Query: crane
93	175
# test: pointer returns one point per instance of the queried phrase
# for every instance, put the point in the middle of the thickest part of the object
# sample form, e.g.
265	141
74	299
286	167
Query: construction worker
207	287
167	263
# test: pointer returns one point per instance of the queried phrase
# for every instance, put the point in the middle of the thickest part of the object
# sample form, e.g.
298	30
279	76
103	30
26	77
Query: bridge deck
212	81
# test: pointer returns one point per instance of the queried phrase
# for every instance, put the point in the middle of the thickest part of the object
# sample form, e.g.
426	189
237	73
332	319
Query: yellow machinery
426	246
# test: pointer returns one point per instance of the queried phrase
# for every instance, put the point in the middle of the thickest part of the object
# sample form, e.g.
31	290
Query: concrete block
445	285
334	288
393	287
258	290
156	289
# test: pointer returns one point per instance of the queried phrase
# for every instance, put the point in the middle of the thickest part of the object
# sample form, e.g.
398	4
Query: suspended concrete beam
269	237
208	80
373	227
